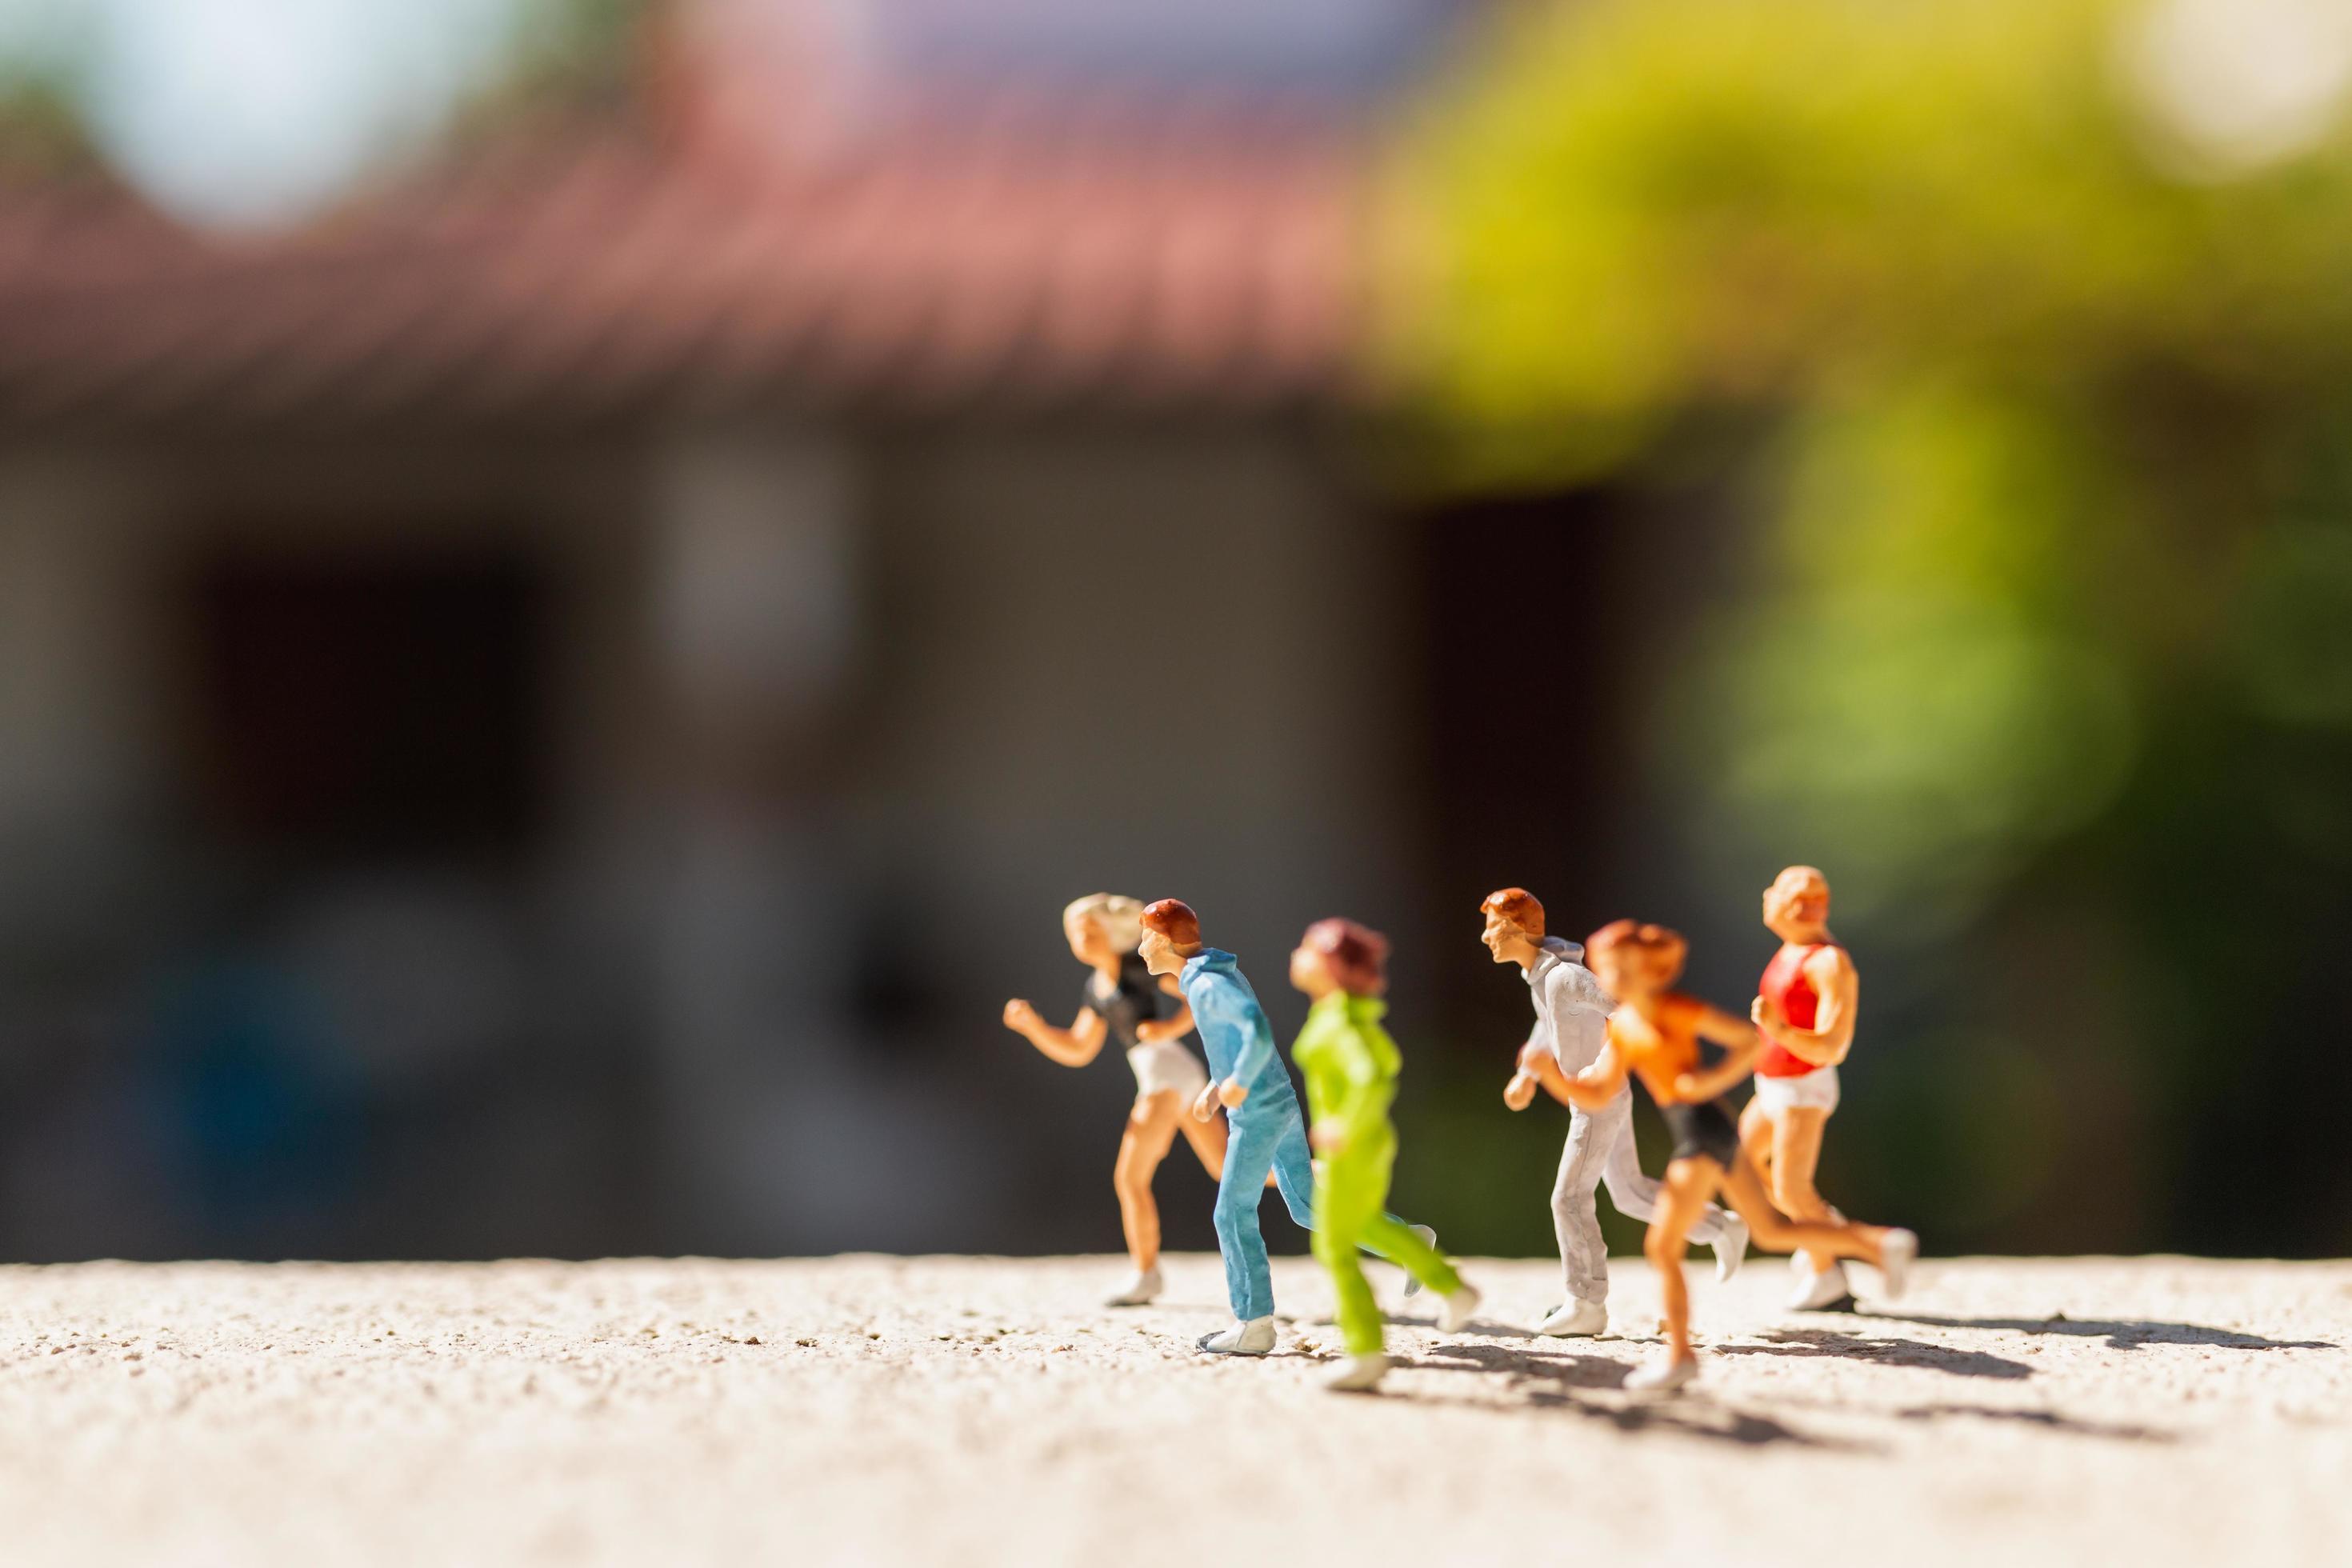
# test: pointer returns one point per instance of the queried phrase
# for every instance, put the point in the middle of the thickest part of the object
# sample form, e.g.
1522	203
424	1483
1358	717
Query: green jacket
1350	1064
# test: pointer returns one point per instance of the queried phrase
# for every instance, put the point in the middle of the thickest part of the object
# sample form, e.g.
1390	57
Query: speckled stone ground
984	1411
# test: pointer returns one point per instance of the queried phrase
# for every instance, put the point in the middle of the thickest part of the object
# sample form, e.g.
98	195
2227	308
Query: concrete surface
984	1411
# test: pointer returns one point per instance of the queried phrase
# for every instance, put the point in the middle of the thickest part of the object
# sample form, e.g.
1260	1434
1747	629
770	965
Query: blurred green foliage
2025	350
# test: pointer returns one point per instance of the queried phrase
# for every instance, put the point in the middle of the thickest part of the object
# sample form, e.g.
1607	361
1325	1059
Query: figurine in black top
1122	1004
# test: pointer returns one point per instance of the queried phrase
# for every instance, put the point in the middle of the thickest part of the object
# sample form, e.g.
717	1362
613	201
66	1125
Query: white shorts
1815	1091
1164	1064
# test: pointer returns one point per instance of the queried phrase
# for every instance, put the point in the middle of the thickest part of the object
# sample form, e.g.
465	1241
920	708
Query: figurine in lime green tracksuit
1350	1066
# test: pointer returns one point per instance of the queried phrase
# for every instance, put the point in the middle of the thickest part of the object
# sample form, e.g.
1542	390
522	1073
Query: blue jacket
1234	1029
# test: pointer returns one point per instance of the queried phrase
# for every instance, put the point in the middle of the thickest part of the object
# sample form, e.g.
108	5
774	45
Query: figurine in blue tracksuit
1266	1129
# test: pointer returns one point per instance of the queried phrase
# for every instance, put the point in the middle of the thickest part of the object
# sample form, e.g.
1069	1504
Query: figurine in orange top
1653	1036
1805	1007
1122	1001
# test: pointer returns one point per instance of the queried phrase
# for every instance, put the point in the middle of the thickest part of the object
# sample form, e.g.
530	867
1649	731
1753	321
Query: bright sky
249	112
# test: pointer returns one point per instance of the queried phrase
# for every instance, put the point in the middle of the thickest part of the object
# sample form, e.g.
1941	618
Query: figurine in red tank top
1804	1009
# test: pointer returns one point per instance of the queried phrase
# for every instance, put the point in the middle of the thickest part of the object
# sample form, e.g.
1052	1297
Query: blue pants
1260	1138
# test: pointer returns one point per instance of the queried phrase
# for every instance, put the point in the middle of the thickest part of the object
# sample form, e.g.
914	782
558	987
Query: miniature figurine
1350	1066
1122	1002
1653	1034
1266	1132
1805	1006
1572	1024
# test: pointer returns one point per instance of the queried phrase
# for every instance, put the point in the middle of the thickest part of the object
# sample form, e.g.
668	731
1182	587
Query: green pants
1351	1193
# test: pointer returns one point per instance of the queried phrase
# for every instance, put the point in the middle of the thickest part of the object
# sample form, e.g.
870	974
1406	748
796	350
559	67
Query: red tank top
1786	986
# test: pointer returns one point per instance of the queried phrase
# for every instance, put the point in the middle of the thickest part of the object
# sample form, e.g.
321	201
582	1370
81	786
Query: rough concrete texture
971	1410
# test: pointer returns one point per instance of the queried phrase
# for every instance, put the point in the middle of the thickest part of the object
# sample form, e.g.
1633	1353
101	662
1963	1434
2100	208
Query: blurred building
546	710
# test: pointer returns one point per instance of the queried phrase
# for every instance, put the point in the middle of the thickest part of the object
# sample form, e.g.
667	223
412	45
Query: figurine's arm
1597	1085
1073	1048
1741	1043
1257	1051
1173	1027
1839	986
1537	1066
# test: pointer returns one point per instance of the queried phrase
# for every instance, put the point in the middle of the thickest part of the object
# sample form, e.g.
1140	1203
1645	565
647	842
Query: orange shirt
1661	1048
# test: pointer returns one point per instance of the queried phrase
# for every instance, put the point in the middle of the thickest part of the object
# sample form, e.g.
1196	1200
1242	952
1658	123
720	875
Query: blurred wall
819	727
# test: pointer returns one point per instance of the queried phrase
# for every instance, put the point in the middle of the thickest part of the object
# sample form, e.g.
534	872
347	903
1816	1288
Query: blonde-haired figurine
1123	1000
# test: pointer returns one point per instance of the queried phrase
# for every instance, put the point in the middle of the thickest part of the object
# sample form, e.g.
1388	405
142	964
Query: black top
1122	1006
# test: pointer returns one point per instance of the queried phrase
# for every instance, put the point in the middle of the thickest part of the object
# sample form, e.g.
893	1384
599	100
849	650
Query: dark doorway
375	705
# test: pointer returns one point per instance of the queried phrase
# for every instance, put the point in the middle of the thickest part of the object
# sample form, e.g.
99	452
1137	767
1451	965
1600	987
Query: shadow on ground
1887	1352
1559	1381
2122	1334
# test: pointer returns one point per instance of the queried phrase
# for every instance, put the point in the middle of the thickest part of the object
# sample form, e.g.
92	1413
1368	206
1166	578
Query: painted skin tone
1510	944
1787	1146
1640	978
1152	1125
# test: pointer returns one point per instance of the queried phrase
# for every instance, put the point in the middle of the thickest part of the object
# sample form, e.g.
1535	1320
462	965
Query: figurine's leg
1293	1173
1632	1192
1796	1153
1775	1232
1249	1149
1348	1196
1583	1255
1208	1141
1151	1131
1689	1184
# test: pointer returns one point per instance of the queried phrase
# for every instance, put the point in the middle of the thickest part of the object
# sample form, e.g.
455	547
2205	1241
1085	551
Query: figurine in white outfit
1571	1024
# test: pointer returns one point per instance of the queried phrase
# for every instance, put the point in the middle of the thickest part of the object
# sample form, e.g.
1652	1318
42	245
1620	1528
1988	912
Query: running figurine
1350	1064
1266	1134
1122	1002
1571	1026
1653	1034
1805	1007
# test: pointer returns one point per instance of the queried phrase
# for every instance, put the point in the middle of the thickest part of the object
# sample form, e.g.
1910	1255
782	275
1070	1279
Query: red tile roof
1205	255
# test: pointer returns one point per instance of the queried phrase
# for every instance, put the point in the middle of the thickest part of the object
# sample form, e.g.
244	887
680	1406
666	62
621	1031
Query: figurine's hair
1173	919
1519	906
1667	946
1119	917
1357	955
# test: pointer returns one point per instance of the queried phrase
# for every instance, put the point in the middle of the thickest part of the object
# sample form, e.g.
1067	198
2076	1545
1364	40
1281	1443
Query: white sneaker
1145	1287
1896	1254
1428	1235
1820	1292
1456	1309
1358	1374
1575	1319
1730	1249
1254	1337
1662	1375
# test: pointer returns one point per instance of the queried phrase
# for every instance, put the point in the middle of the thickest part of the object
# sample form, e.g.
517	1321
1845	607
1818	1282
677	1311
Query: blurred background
581	580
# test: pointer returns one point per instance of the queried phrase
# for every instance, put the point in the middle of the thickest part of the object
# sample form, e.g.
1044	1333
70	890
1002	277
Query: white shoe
1359	1374
1662	1375
1730	1249
1145	1287
1575	1319
1820	1292
1456	1309
1896	1254
1428	1235
1254	1337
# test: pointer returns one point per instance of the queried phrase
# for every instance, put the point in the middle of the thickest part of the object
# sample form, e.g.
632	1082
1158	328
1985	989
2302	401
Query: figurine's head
1797	905
1340	955
1171	933
1514	926
1103	927
1632	959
